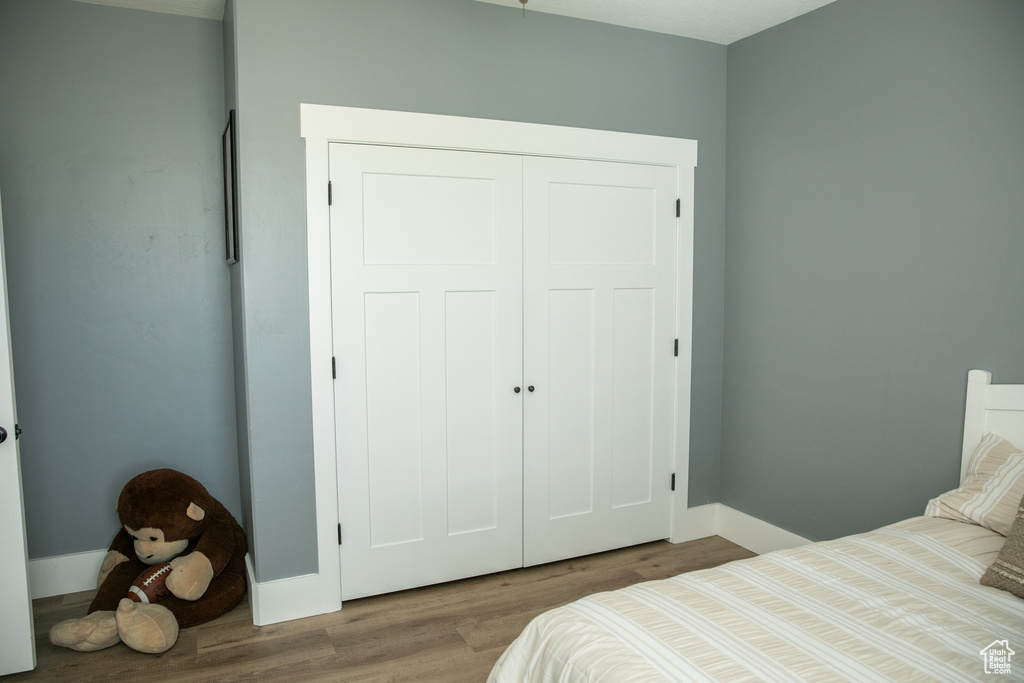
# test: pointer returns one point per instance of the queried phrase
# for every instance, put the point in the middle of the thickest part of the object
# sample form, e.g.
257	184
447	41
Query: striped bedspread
902	603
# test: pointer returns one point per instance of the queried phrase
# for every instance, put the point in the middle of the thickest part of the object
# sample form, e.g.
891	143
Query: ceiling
716	21
205	9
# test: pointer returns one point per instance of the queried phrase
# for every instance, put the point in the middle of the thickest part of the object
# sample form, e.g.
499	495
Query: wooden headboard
991	407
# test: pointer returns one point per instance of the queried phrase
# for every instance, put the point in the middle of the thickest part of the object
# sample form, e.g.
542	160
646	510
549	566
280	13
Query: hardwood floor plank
702	553
451	662
395	641
490	628
289	657
451	632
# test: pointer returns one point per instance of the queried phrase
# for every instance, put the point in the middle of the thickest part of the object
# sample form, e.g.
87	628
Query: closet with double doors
505	336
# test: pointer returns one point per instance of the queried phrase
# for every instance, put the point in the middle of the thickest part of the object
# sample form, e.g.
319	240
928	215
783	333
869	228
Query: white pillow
992	488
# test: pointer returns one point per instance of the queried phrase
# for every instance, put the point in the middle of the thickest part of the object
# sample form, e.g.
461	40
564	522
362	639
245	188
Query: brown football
151	585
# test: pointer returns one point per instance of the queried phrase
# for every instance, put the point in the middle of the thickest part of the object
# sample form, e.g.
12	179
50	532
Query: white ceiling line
716	21
204	9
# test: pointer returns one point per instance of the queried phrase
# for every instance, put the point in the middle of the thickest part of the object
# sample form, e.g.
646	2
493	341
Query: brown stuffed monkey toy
166	516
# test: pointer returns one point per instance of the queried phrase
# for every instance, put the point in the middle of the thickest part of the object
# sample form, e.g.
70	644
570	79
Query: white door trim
322	124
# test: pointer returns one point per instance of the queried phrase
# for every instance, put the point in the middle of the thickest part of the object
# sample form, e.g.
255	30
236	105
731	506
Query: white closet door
599	320
426	254
17	638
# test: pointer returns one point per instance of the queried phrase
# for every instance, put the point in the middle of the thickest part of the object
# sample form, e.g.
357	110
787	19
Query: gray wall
448	57
873	248
873	253
110	172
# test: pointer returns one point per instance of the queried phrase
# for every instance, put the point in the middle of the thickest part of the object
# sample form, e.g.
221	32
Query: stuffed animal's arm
121	548
112	559
190	576
192	573
217	544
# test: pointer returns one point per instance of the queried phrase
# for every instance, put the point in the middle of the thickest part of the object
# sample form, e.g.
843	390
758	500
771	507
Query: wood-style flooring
451	632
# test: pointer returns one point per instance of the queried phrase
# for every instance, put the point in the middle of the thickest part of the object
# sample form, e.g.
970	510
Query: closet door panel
393	408
633	396
426	269
471	386
440	220
569	394
599	323
601	224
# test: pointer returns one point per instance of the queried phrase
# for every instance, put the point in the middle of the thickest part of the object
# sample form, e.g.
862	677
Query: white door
17	643
599	321
426	267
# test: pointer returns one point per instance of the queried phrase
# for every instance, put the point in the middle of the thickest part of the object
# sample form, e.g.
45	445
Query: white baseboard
699	522
303	596
286	599
752	533
64	574
271	602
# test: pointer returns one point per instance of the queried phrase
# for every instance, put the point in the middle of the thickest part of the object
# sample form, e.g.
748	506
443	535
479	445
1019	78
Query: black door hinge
675	351
679	208
334	368
339	533
330	193
673	482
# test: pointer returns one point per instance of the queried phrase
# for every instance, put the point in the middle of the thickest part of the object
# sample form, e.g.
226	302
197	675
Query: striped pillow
992	488
1007	572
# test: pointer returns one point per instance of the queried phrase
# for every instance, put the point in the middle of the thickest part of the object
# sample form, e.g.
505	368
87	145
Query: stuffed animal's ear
195	512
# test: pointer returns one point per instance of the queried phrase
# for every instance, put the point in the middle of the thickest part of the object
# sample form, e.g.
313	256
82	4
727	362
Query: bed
905	602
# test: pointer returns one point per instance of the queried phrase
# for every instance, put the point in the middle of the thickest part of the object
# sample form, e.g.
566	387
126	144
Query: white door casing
322	125
427	280
17	636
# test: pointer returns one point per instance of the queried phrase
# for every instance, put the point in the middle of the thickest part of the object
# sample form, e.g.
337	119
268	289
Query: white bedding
902	603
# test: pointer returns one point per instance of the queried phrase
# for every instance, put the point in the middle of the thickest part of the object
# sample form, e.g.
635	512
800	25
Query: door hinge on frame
330	194
679	208
675	350
334	367
339	532
673	483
